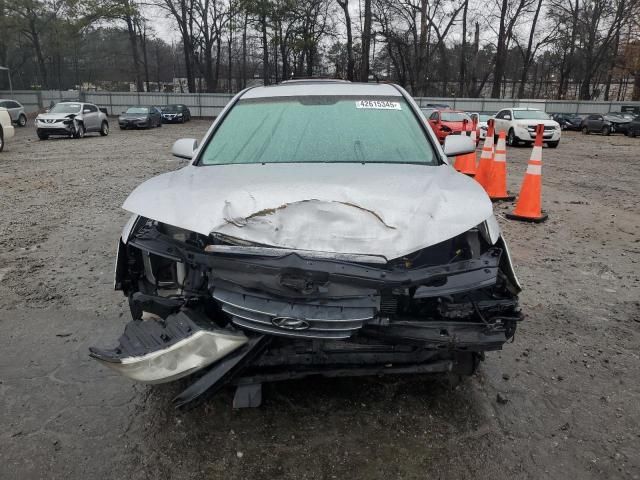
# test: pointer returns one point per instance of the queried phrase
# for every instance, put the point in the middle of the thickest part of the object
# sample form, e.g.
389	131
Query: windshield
454	117
170	109
530	115
319	129
138	110
66	108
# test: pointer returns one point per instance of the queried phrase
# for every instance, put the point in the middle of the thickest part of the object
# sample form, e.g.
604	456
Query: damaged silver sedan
318	230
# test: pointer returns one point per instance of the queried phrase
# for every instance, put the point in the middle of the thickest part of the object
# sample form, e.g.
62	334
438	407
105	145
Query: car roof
523	109
323	88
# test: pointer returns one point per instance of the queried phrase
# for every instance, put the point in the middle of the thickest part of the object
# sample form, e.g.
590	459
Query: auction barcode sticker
378	104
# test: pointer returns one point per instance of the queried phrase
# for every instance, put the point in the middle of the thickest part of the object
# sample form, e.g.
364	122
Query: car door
91	117
434	119
501	121
156	116
595	123
14	110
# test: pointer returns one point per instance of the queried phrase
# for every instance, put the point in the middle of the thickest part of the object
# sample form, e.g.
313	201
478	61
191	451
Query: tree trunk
528	56
366	42
612	66
498	70
244	51
265	50
133	42
463	51
344	4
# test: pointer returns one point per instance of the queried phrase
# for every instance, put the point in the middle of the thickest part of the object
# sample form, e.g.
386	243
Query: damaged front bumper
245	314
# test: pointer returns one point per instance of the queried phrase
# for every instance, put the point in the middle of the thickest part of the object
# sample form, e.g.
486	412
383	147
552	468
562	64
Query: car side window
434	116
91	108
11	104
500	114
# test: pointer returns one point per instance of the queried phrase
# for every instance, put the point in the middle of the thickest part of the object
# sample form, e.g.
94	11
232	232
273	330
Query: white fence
211	104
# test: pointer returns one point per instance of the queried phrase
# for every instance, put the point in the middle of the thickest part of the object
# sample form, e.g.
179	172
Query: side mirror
458	145
184	148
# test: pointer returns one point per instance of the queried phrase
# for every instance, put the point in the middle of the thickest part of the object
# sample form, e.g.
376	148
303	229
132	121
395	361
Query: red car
448	122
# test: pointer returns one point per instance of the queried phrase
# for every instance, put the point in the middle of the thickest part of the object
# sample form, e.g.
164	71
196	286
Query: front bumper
529	135
55	128
133	123
242	313
172	118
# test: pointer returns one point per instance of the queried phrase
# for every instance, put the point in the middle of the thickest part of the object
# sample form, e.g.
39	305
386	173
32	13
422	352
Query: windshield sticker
378	104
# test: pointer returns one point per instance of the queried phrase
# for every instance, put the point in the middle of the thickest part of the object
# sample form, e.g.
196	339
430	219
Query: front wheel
512	140
1	141
585	130
42	136
552	144
104	129
606	130
22	120
632	133
80	131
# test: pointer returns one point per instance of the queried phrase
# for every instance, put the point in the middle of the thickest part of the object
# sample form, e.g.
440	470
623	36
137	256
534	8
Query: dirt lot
571	379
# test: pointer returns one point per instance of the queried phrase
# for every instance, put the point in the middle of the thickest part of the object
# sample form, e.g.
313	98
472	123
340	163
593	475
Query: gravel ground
571	379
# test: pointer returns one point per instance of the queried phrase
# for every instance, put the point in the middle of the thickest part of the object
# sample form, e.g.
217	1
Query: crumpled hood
55	116
373	209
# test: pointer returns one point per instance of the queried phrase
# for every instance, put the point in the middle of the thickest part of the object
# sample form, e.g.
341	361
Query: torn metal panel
337	208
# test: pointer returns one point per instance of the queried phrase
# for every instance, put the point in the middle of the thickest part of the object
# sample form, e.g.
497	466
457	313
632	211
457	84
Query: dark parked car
279	253
633	127
176	113
568	121
605	124
140	117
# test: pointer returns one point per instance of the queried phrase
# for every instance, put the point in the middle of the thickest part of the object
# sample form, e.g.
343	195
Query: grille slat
307	319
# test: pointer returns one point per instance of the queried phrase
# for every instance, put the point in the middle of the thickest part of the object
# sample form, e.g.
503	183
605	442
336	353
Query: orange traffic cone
497	183
486	158
466	163
474	132
529	205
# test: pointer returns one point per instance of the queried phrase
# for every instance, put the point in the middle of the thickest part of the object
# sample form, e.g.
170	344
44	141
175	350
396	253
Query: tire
182	120
606	130
512	140
22	120
104	129
122	128
42	136
585	131
632	133
79	133
553	144
1	140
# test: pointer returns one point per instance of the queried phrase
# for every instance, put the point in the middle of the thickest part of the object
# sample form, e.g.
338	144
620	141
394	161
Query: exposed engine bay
246	313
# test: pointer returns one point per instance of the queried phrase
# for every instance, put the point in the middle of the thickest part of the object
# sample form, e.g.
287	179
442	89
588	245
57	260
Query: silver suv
16	111
72	119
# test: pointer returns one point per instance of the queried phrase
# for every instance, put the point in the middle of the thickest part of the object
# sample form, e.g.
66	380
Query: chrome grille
329	319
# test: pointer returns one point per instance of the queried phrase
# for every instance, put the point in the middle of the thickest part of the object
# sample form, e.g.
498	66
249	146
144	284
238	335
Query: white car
6	128
72	119
356	248
519	124
482	119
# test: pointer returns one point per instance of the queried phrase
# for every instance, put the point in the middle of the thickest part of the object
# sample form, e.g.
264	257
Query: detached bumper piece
158	351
